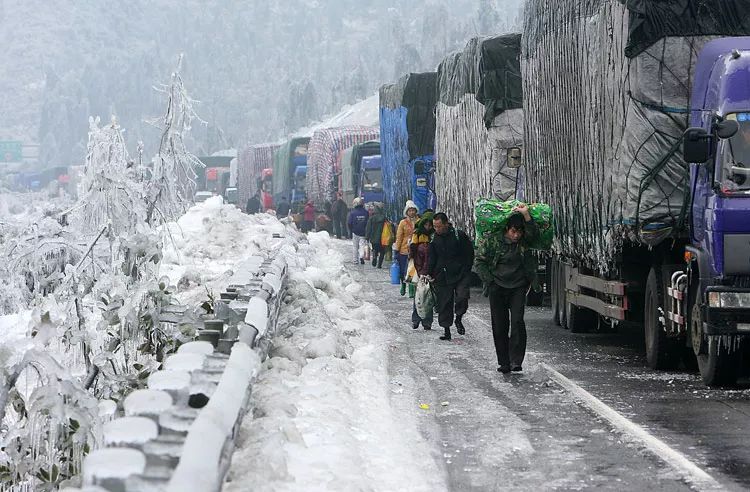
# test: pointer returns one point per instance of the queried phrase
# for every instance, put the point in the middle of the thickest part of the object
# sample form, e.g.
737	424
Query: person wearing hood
374	234
404	232
419	252
357	223
308	219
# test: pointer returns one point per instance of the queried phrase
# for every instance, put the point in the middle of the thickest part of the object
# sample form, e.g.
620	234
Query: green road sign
11	151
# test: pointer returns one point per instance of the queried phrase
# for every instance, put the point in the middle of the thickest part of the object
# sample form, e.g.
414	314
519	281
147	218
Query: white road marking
691	472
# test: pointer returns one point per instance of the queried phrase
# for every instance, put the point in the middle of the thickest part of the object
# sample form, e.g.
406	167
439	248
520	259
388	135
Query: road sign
11	151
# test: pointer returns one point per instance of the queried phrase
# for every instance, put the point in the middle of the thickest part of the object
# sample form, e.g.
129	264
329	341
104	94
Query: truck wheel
554	291
562	296
719	365
580	320
661	352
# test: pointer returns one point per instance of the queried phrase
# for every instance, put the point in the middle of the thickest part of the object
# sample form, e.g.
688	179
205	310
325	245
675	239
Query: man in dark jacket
357	223
451	257
339	211
282	210
253	204
507	268
374	233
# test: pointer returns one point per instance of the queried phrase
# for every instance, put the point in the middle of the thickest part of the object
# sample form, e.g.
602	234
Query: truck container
251	163
287	158
407	141
479	122
652	218
323	159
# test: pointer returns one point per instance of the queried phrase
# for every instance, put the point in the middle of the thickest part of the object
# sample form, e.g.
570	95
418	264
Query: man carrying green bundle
507	268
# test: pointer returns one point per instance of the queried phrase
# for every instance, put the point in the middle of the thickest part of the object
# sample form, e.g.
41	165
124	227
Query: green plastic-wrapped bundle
492	216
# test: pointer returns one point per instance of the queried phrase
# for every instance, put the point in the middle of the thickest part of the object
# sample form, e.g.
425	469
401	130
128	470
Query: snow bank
212	240
323	418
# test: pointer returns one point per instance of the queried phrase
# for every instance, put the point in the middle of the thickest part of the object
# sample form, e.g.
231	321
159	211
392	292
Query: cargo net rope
395	157
323	158
602	134
471	159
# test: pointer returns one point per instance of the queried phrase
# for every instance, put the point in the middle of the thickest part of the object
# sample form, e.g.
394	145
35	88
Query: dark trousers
378	254
448	296
308	225
403	263
339	228
508	327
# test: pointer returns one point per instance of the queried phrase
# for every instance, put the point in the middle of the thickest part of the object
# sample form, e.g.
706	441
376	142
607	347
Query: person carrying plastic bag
404	232
419	251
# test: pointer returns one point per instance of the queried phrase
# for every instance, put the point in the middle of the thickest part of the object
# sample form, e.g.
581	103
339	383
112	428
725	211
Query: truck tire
554	294
562	297
718	365
580	320
661	352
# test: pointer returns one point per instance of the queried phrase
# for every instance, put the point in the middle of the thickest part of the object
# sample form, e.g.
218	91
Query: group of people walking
446	257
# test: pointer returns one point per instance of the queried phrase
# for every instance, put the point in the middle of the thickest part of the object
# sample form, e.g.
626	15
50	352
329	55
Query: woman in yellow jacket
403	235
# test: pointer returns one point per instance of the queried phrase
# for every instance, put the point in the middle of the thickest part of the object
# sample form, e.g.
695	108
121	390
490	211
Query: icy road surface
455	423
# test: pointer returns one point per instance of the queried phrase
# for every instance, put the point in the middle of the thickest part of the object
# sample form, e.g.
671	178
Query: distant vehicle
371	180
232	196
202	196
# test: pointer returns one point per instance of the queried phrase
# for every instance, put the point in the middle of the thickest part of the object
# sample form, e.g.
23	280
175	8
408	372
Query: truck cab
716	282
371	179
299	194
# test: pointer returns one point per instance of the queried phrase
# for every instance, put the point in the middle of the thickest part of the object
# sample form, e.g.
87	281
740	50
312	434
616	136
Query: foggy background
260	69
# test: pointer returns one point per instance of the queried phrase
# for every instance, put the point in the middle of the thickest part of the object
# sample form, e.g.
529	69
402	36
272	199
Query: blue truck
645	164
371	179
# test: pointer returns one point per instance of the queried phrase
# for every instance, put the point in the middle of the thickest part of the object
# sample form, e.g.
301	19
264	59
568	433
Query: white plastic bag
424	299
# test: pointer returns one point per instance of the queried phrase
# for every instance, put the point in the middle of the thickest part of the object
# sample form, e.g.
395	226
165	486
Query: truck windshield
734	173
372	180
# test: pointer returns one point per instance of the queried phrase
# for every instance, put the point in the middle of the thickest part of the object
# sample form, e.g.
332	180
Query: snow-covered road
354	399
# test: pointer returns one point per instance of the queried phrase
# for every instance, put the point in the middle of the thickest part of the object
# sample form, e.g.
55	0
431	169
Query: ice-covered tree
172	183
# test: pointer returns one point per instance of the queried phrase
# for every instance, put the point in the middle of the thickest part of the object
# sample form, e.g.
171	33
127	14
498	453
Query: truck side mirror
727	128
515	159
696	145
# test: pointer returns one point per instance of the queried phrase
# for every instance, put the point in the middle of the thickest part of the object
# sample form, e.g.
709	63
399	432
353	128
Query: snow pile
211	240
323	418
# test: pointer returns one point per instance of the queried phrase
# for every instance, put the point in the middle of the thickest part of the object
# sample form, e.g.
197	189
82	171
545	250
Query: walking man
374	234
357	223
451	257
507	268
339	212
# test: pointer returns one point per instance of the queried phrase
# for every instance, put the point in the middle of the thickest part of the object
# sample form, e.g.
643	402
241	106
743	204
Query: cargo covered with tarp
407	134
606	100
324	152
478	118
252	160
287	157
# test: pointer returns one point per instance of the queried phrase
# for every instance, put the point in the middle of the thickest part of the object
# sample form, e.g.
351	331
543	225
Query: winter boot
427	327
460	326
414	326
447	335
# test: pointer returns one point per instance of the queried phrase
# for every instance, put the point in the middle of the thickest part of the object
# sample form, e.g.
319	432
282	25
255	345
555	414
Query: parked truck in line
637	132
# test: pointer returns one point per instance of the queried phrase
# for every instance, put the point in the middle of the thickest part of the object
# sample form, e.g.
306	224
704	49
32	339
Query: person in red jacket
419	251
308	219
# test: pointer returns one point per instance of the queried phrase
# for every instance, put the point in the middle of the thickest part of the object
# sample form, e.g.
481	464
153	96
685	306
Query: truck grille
741	281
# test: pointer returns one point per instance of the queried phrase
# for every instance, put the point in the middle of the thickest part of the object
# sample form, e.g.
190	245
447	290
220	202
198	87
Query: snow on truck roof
363	113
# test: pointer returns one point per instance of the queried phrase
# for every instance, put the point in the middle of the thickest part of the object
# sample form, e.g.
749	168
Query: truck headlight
729	300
